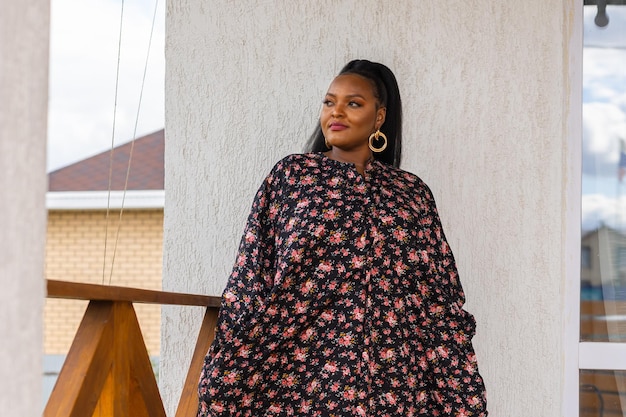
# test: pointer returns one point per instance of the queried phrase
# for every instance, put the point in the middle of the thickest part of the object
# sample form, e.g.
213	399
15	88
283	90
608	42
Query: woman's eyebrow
348	95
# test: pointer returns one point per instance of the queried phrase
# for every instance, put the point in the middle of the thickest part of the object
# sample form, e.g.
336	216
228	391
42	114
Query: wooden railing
107	371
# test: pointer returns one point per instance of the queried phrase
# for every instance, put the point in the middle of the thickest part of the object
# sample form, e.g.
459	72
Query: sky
84	44
604	119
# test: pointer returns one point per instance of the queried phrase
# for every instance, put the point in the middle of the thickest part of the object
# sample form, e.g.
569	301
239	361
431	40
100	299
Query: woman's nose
337	110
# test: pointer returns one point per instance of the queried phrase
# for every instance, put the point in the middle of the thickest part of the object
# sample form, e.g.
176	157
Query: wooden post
86	367
188	404
107	371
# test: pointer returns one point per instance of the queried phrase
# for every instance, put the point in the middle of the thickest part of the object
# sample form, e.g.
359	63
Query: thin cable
117	79
132	145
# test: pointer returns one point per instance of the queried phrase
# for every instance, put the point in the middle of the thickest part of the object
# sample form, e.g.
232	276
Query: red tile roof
92	174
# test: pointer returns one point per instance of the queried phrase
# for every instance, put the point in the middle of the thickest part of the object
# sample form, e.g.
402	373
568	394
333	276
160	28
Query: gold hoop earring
328	145
374	136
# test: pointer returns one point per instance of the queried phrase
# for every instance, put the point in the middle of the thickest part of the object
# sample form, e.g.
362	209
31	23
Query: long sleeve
458	388
248	285
252	276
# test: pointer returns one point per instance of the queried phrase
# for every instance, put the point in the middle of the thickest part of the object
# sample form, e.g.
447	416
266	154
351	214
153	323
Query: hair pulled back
388	94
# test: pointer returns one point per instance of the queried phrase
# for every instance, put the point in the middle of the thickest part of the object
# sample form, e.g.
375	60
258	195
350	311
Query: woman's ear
381	113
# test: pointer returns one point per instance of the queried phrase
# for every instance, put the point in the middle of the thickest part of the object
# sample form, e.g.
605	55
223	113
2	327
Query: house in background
603	264
84	244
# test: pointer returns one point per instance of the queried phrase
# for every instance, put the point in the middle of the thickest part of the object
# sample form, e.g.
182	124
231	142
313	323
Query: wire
117	79
132	145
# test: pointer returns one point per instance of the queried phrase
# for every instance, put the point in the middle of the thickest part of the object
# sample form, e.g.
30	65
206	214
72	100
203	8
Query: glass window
600	393
603	246
602	346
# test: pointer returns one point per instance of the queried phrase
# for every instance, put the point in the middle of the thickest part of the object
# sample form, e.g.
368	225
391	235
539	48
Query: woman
344	299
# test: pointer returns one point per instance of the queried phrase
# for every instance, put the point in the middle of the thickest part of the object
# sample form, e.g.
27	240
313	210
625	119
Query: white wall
24	28
486	89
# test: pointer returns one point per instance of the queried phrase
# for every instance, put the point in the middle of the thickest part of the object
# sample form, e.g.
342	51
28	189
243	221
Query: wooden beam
188	404
144	388
107	371
82	291
86	367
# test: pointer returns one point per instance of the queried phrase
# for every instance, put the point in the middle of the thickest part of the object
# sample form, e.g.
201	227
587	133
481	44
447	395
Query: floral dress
344	301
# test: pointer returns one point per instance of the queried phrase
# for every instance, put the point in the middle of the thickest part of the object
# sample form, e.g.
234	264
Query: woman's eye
354	104
327	103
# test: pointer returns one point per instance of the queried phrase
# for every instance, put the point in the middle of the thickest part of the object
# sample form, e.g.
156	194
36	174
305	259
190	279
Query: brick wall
75	251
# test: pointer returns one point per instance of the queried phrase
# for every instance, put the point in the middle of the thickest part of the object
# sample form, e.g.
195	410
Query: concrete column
487	90
24	39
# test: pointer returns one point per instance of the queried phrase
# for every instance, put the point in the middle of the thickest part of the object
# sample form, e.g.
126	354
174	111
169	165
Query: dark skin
350	114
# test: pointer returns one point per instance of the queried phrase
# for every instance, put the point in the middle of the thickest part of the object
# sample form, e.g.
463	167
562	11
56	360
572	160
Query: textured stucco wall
485	89
24	28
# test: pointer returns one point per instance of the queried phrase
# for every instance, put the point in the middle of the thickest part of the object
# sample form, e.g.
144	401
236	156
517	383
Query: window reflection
603	243
601	393
603	265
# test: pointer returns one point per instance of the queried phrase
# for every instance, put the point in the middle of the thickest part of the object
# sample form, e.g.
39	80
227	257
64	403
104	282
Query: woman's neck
360	159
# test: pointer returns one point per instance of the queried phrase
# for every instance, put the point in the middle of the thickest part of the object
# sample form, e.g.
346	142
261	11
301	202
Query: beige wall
75	251
24	28
488	89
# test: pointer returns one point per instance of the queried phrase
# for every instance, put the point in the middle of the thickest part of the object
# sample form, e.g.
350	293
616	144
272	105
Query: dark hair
388	94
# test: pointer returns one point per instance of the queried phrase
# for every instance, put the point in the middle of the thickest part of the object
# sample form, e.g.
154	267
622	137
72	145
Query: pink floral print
344	300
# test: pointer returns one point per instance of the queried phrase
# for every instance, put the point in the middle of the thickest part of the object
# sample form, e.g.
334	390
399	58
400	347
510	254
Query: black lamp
601	19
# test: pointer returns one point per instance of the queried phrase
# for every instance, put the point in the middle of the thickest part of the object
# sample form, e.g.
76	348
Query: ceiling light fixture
602	19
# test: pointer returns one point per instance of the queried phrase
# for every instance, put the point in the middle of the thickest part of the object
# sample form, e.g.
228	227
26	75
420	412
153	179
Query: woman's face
350	112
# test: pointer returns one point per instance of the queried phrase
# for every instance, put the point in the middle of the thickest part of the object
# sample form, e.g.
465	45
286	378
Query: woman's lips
337	126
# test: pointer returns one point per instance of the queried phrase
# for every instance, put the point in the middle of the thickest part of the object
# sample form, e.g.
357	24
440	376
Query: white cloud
604	126
604	119
604	92
83	58
598	209
604	78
